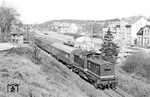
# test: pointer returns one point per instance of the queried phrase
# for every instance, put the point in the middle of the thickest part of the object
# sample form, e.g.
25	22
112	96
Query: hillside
48	78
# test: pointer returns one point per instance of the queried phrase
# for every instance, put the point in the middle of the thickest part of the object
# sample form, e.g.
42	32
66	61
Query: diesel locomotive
87	64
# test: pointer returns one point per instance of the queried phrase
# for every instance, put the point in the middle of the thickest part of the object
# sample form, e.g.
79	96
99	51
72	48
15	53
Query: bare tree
36	52
8	16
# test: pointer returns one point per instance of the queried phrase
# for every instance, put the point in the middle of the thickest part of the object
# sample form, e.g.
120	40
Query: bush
138	63
30	52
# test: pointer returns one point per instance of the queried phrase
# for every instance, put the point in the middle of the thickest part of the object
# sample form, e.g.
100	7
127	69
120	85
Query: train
87	64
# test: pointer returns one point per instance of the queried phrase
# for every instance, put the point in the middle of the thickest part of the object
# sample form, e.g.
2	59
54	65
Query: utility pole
91	32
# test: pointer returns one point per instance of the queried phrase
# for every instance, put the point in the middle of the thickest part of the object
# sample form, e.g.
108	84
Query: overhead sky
38	11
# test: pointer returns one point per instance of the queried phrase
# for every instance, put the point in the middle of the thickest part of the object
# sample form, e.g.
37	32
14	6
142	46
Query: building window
145	32
145	40
141	40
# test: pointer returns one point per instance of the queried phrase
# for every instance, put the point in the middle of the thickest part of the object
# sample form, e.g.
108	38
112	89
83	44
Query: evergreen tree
109	49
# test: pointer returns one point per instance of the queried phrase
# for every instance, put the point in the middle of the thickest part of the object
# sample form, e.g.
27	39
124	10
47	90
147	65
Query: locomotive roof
99	61
63	47
84	52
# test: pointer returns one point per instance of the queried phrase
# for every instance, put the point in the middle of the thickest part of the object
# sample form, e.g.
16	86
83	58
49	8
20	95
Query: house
125	30
110	25
66	27
73	28
143	36
136	25
88	43
123	33
19	36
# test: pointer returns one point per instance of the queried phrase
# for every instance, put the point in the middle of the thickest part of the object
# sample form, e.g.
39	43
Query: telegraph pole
91	34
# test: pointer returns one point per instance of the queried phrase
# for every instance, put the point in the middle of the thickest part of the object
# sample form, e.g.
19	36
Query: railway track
133	76
117	93
110	93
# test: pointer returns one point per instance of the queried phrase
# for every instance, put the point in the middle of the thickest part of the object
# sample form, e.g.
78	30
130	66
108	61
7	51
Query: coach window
66	55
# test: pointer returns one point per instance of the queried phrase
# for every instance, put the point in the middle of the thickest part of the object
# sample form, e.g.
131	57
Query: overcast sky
37	11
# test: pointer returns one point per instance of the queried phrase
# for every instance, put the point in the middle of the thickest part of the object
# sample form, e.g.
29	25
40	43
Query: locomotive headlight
109	76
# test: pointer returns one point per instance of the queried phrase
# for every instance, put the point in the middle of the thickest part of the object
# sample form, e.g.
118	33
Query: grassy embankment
44	77
135	77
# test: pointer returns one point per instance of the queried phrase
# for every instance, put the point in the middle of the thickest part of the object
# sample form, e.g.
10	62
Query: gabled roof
140	32
148	26
89	39
135	20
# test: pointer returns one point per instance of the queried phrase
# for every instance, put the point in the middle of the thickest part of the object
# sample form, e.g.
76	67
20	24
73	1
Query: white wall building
88	43
136	25
73	28
126	29
67	28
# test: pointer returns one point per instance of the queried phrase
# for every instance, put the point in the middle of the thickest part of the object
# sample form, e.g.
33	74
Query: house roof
135	20
148	26
88	39
140	32
75	35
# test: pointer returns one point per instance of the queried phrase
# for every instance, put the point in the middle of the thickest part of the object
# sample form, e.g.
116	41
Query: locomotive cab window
97	69
107	69
89	65
67	56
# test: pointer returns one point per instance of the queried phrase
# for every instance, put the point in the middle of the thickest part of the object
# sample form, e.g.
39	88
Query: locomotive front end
107	77
102	73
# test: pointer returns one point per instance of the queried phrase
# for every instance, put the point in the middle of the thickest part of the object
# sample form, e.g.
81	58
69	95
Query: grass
135	74
48	79
139	64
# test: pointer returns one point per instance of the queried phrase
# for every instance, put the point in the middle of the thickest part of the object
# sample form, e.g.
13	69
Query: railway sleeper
102	85
107	86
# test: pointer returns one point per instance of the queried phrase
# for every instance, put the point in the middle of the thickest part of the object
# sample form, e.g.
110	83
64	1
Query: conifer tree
109	49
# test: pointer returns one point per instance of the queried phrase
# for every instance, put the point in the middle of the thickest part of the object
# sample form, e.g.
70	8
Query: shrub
138	63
